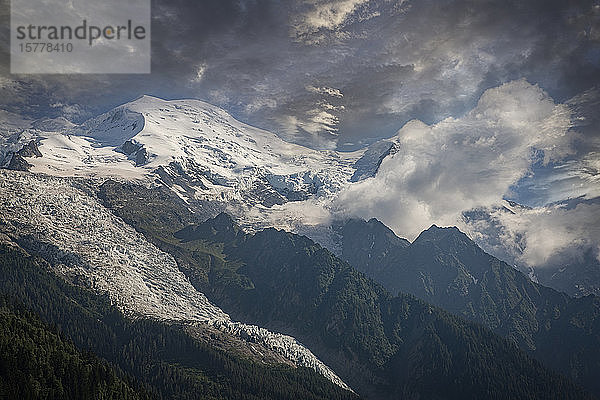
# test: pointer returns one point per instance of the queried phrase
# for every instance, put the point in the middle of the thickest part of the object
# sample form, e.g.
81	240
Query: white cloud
574	178
260	103
544	237
333	92
72	112
553	234
462	163
320	120
218	96
473	162
327	15
200	71
316	122
330	14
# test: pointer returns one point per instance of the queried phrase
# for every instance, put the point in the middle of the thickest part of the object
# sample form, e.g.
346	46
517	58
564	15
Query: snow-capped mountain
197	150
202	153
207	158
223	157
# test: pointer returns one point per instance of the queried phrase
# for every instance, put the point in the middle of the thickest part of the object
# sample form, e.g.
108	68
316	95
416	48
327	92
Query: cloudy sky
340	73
490	99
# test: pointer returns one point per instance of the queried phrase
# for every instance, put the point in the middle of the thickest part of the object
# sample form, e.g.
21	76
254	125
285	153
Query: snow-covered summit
183	132
182	129
199	151
202	153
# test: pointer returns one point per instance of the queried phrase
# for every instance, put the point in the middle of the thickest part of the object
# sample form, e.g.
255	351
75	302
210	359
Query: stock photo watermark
80	36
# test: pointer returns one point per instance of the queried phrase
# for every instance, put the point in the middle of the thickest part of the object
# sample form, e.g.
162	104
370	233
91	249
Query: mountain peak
360	229
220	228
450	235
222	220
448	230
149	97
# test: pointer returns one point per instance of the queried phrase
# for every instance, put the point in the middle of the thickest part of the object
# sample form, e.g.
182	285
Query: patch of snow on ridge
85	241
77	156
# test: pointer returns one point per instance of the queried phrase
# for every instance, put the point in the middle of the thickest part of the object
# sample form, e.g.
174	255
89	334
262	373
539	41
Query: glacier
62	220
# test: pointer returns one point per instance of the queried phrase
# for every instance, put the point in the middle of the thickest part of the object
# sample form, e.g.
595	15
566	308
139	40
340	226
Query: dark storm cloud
184	34
391	61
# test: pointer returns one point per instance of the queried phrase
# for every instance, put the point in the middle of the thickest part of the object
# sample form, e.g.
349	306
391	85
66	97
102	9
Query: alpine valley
166	250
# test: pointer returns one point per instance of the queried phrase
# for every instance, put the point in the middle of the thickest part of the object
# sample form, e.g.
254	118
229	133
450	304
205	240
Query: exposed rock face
129	147
141	157
368	165
17	159
18	163
30	150
136	152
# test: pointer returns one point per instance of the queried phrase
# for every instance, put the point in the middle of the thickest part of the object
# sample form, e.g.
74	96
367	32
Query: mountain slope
37	362
444	267
171	360
215	163
63	221
206	156
386	346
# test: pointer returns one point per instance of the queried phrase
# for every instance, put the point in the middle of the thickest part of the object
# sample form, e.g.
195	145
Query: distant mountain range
167	216
446	268
386	346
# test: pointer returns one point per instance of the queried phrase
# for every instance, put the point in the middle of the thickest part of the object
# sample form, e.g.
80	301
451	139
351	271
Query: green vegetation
37	363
